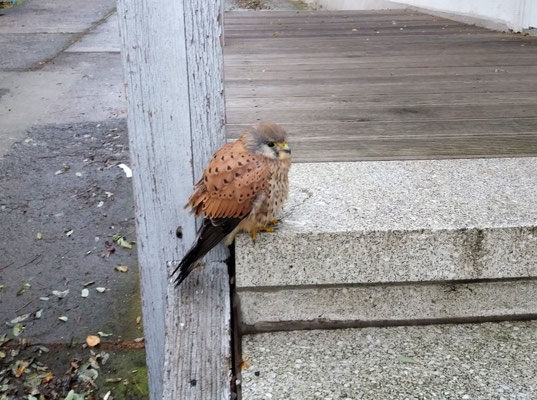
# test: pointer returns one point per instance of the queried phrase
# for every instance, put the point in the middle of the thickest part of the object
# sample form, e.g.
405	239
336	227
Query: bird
241	190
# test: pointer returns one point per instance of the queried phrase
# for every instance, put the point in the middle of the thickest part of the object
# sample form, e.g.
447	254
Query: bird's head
268	140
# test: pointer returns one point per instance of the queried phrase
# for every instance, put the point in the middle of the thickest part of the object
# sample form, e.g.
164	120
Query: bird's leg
274	222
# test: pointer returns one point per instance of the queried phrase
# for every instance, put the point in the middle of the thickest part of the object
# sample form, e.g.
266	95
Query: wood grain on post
173	68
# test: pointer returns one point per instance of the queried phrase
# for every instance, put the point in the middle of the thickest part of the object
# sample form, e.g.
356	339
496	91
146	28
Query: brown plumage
242	189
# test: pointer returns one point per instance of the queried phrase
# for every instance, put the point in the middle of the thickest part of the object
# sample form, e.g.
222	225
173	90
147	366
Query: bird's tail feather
211	233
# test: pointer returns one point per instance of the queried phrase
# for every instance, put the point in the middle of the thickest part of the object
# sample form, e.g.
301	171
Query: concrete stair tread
398	222
466	361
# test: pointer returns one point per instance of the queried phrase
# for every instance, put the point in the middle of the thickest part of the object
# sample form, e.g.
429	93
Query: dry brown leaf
138	319
93	341
245	363
20	370
121	268
48	377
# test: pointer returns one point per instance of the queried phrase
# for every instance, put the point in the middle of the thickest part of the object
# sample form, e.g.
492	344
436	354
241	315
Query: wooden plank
415	148
380	100
376	47
408	129
316	71
297	62
270	74
198	352
327	89
346	112
175	123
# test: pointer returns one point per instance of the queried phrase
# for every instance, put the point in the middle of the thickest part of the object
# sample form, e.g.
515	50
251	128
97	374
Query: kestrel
242	190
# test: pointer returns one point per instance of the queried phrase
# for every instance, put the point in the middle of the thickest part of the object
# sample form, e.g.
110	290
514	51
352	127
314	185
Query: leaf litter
25	375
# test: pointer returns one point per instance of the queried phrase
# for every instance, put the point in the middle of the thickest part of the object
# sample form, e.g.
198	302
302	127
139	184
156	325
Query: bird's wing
230	183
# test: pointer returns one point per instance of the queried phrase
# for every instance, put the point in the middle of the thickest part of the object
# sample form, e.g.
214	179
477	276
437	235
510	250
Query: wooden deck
382	85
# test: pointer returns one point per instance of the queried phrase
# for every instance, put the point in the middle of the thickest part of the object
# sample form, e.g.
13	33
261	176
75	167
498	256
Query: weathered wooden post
173	67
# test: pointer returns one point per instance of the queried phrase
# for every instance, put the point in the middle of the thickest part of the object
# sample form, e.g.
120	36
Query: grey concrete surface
64	112
72	87
104	38
478	362
399	222
55	16
385	304
89	196
24	51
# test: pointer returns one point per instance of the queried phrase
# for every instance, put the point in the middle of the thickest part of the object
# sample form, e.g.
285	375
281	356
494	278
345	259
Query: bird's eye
270	144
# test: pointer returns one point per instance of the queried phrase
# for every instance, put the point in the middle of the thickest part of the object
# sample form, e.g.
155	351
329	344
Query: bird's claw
265	229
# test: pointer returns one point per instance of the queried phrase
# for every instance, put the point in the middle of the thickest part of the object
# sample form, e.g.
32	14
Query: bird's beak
284	147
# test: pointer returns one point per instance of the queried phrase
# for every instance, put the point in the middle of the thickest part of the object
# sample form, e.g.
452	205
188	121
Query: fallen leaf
63	318
23	289
20	318
17	329
100	289
60	294
89	283
85	292
48	377
139	339
109	194
72	395
93	340
245	364
2	354
100	204
20	368
354	30
121	268
102	334
107	395
39	313
69	233
44	298
79	174
138	319
43	349
120	240
39	236
113	380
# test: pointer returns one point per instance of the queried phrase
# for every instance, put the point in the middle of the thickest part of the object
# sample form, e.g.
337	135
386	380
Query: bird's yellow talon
254	235
275	221
267	229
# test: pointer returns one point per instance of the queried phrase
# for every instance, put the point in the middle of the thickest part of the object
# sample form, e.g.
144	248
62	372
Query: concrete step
395	242
467	361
